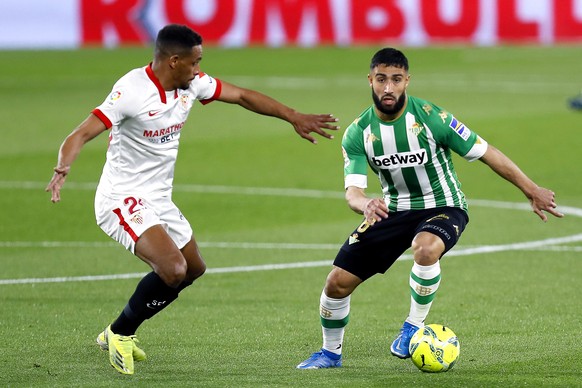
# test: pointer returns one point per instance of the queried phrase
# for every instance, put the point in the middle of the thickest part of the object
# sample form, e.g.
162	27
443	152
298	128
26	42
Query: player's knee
175	273
336	288
427	252
333	290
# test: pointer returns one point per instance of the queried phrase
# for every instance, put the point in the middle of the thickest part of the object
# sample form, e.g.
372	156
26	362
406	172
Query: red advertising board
297	22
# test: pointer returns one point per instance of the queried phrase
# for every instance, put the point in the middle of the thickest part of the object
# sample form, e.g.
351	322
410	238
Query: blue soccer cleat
322	359
400	345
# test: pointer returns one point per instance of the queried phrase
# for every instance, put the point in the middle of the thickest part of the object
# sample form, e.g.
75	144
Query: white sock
334	315
424	282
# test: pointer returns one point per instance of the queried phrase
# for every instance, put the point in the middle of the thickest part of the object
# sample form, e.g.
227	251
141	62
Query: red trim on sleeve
156	81
101	116
216	93
126	227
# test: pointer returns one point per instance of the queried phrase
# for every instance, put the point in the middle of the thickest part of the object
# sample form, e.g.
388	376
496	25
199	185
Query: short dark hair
176	39
390	57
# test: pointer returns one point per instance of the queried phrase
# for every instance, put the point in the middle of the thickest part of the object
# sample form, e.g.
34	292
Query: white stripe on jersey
369	147
389	145
442	175
421	174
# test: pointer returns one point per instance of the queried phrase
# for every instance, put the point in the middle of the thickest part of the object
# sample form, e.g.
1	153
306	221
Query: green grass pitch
261	199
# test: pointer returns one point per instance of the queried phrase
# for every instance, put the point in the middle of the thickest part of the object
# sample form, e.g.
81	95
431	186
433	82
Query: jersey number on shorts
133	203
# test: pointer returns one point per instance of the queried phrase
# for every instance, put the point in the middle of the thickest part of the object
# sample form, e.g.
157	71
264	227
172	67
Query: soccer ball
434	348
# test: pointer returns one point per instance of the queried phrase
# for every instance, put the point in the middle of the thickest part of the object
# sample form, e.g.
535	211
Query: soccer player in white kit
145	113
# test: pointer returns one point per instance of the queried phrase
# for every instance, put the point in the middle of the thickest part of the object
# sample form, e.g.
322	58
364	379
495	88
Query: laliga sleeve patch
459	128
114	97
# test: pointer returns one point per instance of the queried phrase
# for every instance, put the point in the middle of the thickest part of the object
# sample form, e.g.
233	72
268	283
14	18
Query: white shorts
126	219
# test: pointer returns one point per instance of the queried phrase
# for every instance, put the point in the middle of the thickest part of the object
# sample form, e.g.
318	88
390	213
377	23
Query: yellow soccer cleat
138	353
122	350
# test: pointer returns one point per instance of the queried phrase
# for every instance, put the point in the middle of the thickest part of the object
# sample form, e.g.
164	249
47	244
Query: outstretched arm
541	199
69	151
257	102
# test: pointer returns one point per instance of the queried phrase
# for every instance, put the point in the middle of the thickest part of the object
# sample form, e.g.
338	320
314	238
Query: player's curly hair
176	39
390	57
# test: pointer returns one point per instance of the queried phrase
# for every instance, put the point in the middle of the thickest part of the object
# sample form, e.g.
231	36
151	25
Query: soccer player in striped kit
145	114
407	142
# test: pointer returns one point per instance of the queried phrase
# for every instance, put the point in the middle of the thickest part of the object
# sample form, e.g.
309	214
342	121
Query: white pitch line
539	244
193	188
236	245
557	248
272	191
218	244
515	246
308	264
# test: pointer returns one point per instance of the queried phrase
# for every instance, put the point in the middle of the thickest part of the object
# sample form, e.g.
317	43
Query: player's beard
389	111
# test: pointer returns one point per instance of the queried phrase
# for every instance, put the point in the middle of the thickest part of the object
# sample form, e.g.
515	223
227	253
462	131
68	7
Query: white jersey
145	122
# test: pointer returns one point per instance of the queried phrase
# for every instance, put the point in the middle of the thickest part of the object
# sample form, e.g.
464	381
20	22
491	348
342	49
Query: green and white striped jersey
411	155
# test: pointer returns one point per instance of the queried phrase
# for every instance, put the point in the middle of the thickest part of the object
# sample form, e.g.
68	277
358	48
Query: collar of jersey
156	81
